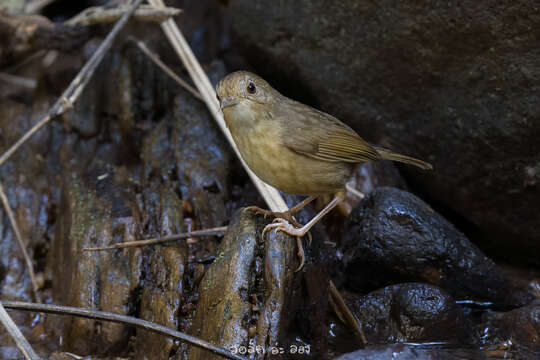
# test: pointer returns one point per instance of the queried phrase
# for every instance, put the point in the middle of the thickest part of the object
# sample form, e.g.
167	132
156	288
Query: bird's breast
263	150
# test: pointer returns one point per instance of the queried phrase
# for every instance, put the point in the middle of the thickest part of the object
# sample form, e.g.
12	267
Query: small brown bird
293	147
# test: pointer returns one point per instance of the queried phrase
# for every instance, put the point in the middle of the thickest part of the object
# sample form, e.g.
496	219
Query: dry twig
165	68
217	231
123	319
18	80
271	195
72	93
342	309
103	14
18	236
16	335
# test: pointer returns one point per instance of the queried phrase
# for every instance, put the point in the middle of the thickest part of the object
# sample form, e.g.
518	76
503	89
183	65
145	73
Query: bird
294	147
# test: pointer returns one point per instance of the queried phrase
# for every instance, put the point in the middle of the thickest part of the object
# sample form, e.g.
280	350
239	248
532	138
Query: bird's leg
281	224
287	215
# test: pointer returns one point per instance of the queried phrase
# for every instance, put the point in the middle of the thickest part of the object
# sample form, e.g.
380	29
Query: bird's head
242	94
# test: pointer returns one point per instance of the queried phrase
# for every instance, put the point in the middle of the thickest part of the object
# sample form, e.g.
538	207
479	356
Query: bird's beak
227	101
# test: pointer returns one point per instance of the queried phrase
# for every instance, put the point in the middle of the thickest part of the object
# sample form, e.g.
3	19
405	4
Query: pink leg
280	224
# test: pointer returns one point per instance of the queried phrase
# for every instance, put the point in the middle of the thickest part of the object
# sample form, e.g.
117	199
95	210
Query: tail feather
389	155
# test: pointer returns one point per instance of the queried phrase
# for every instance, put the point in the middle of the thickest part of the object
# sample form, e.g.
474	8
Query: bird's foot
283	215
283	225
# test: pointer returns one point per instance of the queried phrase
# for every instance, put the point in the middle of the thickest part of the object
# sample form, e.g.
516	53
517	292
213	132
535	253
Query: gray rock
454	83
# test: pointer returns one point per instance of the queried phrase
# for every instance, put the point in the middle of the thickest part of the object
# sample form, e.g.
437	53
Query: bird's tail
389	155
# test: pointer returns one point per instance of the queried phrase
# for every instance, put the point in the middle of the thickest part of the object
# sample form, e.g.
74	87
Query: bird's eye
251	88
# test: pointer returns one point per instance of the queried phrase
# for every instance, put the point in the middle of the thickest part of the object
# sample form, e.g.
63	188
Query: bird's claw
280	224
283	225
258	210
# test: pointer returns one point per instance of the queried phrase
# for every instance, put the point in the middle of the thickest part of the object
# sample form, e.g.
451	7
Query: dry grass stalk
217	231
16	335
344	313
271	195
155	58
102	14
18	236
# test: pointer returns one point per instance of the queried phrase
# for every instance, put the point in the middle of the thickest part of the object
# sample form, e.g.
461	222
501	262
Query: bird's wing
322	136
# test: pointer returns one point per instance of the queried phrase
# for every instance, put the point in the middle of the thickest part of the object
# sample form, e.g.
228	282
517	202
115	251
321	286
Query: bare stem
16	335
103	14
165	68
122	319
199	77
346	312
207	232
18	236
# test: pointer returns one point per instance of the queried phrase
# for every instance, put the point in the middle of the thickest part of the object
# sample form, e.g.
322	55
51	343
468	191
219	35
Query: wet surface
405	240
412	312
138	157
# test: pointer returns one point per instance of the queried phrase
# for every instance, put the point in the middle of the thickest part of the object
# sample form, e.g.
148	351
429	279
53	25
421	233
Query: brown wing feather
322	136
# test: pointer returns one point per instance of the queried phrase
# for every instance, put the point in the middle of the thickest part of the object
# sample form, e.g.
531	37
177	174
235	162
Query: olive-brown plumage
292	146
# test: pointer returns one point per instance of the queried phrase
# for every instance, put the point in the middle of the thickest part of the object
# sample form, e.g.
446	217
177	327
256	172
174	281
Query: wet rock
202	157
116	195
243	295
401	237
407	352
25	180
95	280
520	327
411	312
164	267
452	83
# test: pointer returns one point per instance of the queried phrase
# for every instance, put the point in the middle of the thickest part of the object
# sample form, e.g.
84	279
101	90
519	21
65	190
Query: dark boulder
393	236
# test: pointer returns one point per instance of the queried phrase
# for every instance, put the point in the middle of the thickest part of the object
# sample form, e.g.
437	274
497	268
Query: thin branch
346	312
217	231
71	94
123	319
165	68
271	195
16	335
18	80
103	14
355	192
38	54
18	236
